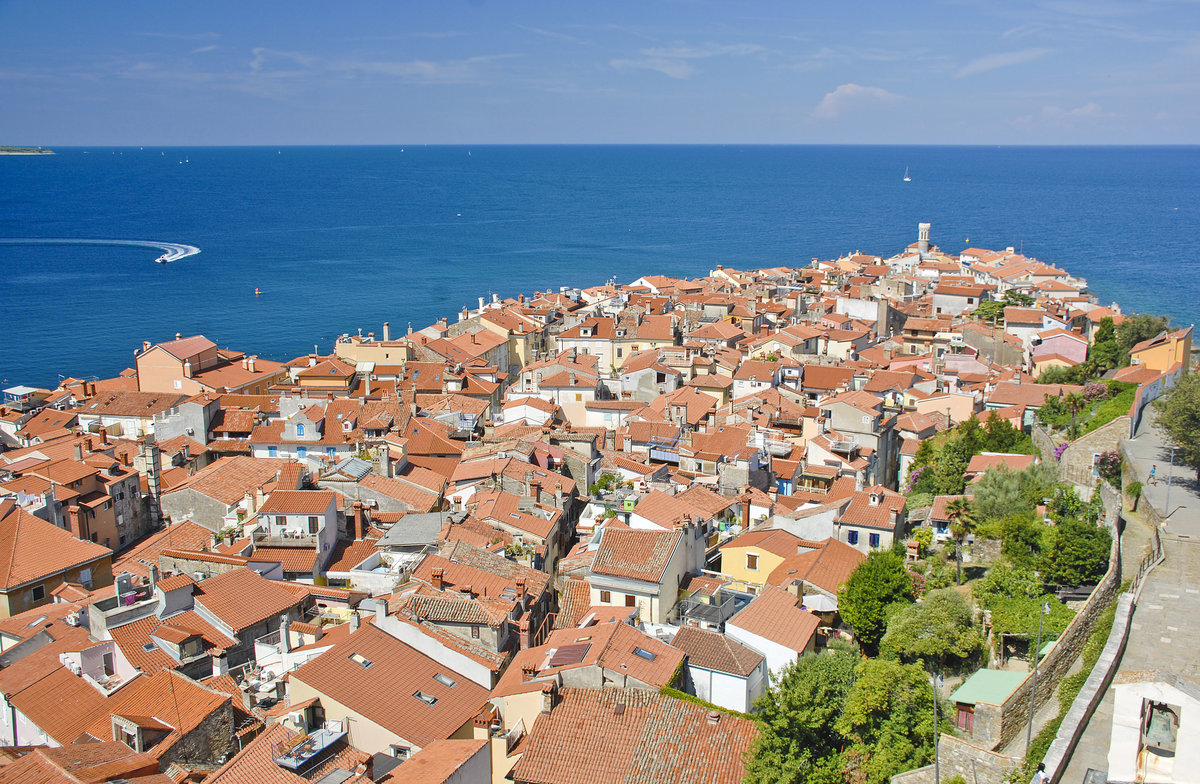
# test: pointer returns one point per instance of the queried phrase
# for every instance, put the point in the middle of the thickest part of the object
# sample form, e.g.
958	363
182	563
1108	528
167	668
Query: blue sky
674	71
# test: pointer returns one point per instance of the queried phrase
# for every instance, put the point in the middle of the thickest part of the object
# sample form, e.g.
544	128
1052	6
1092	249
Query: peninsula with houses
606	534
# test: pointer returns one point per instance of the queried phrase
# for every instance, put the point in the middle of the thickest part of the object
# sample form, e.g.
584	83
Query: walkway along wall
1001	723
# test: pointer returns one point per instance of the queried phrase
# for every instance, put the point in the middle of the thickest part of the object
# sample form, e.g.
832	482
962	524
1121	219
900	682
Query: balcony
285	537
298	755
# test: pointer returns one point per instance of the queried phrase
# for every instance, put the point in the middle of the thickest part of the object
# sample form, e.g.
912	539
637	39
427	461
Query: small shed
990	686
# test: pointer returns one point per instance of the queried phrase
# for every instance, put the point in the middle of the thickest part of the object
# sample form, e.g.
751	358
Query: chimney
145	348
76	524
245	363
528	672
520	299
103	435
410	329
528	483
220	663
558	494
438	582
474	337
746	512
385	461
466	590
481	304
87	444
179	336
187	369
714	717
153	576
520	587
360	521
250	362
380	611
387	331
549	697
354	622
536	491
78	450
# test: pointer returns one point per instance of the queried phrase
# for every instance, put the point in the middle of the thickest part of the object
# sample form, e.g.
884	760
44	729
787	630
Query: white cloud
1089	110
676	69
699	53
1002	60
849	95
203	49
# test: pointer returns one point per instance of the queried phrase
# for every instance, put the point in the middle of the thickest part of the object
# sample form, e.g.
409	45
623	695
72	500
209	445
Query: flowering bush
913	478
1097	390
1108	466
1060	448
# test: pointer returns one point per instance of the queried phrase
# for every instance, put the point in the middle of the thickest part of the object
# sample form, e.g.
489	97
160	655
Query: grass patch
668	691
1109	410
1068	690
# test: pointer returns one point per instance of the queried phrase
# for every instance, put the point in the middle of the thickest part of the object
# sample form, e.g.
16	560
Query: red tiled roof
225	596
31	548
405	671
255	764
297	502
639	555
633	735
714	651
775	615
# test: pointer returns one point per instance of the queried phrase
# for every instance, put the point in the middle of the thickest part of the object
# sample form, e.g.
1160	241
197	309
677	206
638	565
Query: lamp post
1045	610
1170	471
937	767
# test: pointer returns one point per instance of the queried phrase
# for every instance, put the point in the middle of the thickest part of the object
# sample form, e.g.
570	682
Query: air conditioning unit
198	576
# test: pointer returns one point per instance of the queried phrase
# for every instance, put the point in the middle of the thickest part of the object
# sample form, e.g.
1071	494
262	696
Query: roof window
445	680
645	654
428	699
358	658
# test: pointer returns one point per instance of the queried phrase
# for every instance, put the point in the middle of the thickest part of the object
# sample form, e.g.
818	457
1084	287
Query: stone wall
1075	465
957	757
1015	710
1044	444
210	741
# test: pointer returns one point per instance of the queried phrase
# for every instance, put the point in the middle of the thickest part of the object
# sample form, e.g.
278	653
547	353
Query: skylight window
149	647
645	654
428	699
358	658
445	680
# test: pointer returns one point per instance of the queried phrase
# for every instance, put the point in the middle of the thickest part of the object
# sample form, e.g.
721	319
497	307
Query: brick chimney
103	432
250	363
360	521
438	574
521	588
76	523
528	672
549	697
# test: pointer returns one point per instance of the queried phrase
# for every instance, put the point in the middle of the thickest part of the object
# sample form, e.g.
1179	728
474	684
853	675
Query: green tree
887	721
1179	419
1002	491
1018	298
962	525
1022	538
990	311
1076	553
1105	350
797	740
1139	327
939	630
879	587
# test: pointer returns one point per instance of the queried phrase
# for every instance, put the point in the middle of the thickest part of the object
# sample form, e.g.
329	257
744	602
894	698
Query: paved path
1165	632
1148	449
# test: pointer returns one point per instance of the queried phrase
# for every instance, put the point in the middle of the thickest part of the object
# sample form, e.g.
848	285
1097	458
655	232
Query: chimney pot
438	575
179	336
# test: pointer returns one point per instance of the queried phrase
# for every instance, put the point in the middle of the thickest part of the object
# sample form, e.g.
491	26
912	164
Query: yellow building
39	556
749	558
1163	351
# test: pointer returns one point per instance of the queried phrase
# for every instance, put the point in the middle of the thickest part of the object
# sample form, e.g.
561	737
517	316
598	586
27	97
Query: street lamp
1170	471
1033	691
936	678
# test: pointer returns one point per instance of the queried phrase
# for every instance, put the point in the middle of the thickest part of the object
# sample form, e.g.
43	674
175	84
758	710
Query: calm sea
341	238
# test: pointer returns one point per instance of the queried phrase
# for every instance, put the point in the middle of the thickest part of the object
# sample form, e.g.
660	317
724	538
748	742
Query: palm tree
962	523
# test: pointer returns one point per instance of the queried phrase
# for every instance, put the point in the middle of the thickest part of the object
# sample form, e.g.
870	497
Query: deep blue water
339	238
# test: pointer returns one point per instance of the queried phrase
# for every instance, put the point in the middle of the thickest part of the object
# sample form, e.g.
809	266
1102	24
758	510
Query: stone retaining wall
1015	710
959	758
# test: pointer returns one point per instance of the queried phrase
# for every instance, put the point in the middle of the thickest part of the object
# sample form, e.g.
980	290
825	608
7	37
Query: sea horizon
338	238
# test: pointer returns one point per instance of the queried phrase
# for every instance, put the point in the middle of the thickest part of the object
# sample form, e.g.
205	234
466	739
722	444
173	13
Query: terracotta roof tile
405	671
31	548
775	615
640	555
714	651
225	596
632	735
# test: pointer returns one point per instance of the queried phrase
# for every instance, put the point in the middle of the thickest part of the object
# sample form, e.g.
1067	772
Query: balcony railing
286	538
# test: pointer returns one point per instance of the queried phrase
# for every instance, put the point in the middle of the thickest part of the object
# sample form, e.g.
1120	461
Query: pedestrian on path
1040	777
1154	475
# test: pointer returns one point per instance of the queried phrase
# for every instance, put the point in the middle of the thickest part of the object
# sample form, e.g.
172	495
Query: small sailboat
906	177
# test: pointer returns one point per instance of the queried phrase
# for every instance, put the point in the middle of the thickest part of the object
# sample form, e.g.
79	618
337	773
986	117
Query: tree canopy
940	464
1076	553
833	718
939	630
879	587
1179	418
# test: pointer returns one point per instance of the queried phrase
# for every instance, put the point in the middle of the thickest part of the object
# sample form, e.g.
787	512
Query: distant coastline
25	151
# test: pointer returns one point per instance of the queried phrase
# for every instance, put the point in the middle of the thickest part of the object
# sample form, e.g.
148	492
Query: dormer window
874	499
299	429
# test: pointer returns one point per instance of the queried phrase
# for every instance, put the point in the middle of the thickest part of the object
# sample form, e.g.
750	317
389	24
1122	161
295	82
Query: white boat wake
172	251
